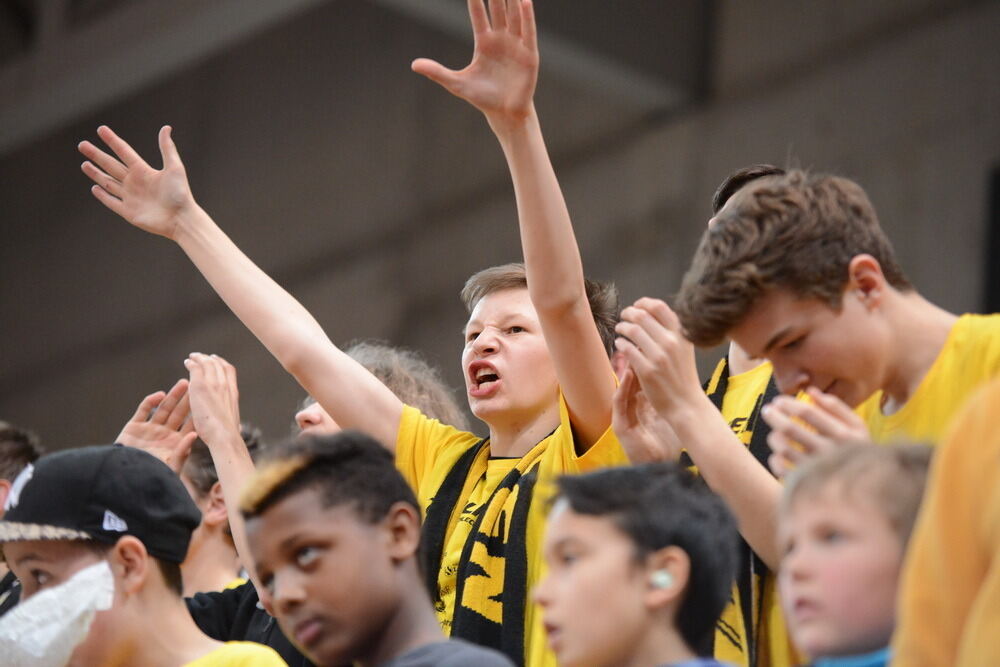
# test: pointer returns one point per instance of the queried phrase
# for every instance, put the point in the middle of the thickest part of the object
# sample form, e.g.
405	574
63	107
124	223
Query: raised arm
215	412
160	202
500	82
663	362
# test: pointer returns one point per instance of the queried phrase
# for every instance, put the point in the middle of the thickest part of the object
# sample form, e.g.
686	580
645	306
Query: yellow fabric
774	646
235	583
970	357
426	451
240	654
949	610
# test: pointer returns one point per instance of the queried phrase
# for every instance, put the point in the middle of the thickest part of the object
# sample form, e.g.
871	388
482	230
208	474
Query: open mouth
483	377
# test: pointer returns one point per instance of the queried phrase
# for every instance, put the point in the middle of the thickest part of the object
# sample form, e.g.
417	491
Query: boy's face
329	574
841	352
838	573
312	419
508	371
593	594
43	564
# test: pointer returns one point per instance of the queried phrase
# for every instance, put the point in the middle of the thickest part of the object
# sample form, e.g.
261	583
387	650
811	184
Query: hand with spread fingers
803	429
663	360
152	200
644	435
160	426
500	80
215	408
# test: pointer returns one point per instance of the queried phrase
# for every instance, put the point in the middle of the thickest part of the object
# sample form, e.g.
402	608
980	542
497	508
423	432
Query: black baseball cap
102	493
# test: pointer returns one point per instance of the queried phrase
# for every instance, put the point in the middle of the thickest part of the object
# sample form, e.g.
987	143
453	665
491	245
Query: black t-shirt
450	653
235	614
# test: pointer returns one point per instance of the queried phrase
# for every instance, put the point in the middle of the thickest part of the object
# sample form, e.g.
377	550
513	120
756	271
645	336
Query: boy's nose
486	342
790	380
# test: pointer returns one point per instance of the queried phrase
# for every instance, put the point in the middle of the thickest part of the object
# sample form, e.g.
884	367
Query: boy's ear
130	563
214	510
402	525
864	276
668	571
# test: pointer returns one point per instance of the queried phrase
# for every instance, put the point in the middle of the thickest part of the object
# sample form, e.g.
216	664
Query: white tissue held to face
43	630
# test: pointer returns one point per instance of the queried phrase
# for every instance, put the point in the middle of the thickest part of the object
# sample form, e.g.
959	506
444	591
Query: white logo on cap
17	486
114	522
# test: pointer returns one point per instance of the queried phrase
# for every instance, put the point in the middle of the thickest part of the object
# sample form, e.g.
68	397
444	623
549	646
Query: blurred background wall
371	195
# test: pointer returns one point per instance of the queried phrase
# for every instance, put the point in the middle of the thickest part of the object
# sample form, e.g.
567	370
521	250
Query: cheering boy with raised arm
535	355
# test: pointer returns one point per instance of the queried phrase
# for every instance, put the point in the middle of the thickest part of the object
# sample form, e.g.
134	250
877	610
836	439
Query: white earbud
661	579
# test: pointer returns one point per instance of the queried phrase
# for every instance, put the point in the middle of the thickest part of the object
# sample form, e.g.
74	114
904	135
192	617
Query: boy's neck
163	633
412	625
740	361
516	437
920	330
211	565
659	647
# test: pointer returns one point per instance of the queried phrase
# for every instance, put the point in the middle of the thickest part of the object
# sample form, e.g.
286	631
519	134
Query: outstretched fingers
498	14
119	146
477	14
436	72
108	164
170	402
147	406
108	183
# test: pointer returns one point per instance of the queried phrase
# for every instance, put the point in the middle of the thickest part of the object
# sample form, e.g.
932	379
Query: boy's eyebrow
27	557
774	339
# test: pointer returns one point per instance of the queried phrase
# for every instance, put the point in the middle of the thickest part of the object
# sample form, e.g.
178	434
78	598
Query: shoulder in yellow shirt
240	654
970	357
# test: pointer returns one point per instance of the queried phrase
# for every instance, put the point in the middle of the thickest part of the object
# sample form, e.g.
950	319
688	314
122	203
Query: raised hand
645	436
659	355
160	426
148	198
803	429
500	80
215	408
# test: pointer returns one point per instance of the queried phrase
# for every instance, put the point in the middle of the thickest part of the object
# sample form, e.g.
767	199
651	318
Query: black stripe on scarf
468	624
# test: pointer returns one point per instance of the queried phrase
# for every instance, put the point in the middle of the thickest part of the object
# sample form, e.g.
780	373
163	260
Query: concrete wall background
372	195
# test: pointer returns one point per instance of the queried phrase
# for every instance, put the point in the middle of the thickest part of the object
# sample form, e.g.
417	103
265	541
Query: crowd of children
619	512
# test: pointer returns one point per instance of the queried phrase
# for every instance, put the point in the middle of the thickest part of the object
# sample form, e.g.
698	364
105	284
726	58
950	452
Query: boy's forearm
551	255
747	488
234	467
354	397
285	328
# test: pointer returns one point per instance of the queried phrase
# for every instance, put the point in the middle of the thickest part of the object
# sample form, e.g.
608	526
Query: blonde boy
844	523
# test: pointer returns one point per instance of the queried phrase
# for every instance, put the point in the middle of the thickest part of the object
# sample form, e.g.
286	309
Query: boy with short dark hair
74	509
845	521
640	564
334	530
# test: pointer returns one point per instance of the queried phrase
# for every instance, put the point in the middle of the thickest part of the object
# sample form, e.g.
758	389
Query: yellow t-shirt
240	654
970	357
740	409
949	602
480	522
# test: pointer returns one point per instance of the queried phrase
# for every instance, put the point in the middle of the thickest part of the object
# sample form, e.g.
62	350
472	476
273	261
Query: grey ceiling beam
70	72
568	59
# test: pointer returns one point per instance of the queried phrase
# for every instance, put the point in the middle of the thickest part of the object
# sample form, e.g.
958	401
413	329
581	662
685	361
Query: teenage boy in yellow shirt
796	269
535	357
